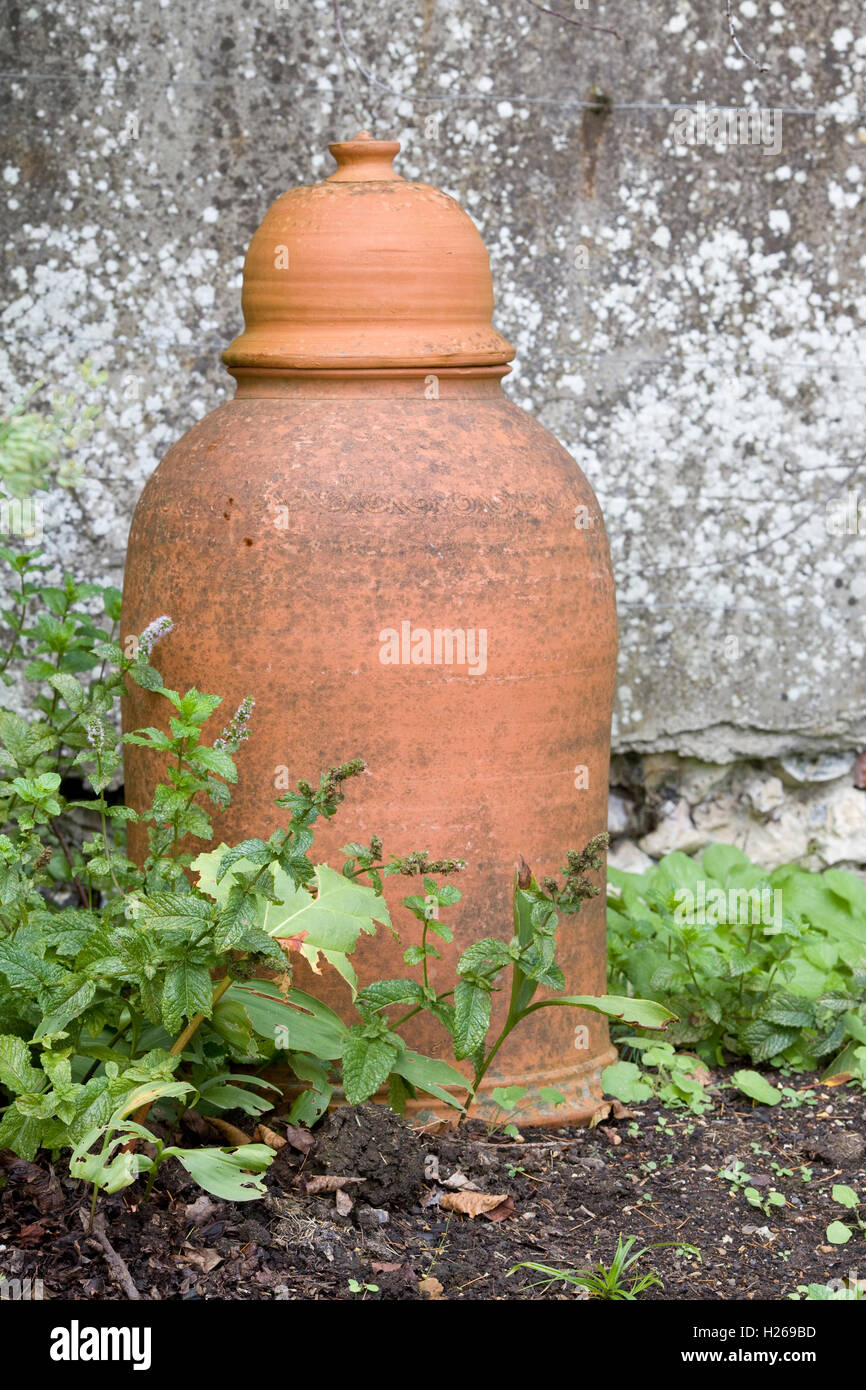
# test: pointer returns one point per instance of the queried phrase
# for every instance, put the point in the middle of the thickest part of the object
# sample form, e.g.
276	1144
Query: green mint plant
527	960
115	975
37	447
784	985
166	978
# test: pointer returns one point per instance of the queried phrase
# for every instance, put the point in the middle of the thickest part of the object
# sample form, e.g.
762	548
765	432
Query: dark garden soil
570	1193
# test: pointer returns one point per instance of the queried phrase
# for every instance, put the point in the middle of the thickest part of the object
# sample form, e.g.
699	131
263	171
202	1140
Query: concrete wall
689	318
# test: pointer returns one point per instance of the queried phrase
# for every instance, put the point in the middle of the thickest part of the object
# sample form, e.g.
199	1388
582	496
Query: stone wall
689	317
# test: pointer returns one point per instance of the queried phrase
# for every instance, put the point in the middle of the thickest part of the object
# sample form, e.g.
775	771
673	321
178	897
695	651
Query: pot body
310	539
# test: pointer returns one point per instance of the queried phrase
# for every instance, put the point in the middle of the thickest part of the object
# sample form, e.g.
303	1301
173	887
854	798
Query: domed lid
367	270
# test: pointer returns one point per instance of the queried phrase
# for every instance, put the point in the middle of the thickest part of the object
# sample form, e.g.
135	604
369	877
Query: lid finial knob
365	160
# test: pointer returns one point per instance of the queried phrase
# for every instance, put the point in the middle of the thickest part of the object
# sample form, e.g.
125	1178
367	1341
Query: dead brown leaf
458	1182
601	1112
201	1210
430	1287
263	1135
502	1212
327	1182
230	1132
621	1112
472	1203
610	1110
34	1234
343	1202
204	1259
300	1139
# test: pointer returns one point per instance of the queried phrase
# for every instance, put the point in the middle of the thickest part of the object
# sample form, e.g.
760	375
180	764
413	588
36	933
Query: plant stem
67	854
21	613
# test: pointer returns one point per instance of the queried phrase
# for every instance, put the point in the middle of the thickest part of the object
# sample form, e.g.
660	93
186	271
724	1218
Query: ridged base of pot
579	1083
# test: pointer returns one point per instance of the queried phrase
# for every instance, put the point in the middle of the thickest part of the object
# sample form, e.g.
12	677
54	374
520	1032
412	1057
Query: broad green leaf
720	860
313	1103
483	956
67	1004
845	1195
17	1073
624	1082
187	991
167	910
838	1233
431	1074
21	1133
72	691
766	1040
232	1174
228	1097
384	992
215	760
756	1087
297	1021
110	1171
232	1022
367	1064
643	1013
334	919
146	1095
471	1017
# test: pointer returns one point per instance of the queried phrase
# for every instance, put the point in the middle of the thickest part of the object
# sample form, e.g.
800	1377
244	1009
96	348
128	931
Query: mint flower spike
152	634
96	734
236	733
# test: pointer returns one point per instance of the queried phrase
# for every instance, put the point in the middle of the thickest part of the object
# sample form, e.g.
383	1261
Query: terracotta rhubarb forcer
398	564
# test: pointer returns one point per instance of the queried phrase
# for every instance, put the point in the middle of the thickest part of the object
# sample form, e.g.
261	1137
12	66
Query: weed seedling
617	1282
766	1204
839	1232
355	1287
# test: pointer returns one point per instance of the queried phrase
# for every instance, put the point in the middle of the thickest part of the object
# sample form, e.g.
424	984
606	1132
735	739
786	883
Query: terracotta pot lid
367	270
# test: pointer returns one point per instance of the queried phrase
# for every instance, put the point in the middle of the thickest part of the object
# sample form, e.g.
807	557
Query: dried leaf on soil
430	1287
300	1139
205	1260
327	1182
459	1182
230	1132
201	1210
472	1203
502	1212
263	1135
343	1202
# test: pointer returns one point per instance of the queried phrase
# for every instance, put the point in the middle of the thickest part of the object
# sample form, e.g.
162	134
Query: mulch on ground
566	1195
